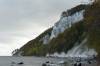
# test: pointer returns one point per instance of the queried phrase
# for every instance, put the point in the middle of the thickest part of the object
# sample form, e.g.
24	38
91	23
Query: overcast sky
23	20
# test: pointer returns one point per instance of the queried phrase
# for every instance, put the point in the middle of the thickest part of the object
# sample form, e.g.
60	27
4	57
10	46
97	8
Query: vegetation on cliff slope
92	22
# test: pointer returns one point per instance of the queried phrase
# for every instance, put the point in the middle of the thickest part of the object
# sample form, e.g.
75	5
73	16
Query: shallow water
28	61
35	61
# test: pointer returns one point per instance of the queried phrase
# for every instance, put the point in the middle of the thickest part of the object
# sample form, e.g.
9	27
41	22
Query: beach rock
20	63
44	64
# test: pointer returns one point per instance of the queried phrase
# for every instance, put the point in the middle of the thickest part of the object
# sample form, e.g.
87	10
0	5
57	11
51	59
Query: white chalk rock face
66	22
46	39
